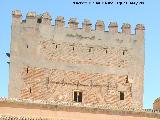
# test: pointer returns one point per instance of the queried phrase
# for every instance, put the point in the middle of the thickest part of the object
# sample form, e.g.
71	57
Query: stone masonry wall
51	61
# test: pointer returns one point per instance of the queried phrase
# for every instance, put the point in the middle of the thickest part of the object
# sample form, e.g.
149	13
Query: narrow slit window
77	97
27	46
90	49
73	48
106	51
121	95
30	90
56	46
27	70
123	52
127	79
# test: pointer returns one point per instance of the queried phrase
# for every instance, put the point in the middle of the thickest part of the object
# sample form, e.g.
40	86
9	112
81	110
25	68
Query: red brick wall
110	57
59	85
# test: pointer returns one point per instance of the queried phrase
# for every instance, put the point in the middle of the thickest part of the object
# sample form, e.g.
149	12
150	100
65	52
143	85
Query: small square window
124	52
77	96
39	20
90	49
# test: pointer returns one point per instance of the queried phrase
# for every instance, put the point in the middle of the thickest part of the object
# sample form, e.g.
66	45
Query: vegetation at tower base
76	65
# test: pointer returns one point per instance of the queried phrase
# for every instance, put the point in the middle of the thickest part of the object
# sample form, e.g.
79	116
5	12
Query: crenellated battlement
46	19
73	23
59	22
100	25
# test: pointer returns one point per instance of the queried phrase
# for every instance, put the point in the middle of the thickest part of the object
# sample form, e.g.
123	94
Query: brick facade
59	85
52	61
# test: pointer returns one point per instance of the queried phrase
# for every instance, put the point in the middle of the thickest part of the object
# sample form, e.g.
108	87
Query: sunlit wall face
146	14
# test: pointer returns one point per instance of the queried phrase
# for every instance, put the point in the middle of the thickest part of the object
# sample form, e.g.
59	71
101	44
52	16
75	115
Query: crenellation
31	19
139	30
100	25
46	18
126	28
59	22
16	17
87	25
113	27
73	23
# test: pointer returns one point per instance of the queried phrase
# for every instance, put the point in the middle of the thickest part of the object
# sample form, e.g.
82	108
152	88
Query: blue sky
146	14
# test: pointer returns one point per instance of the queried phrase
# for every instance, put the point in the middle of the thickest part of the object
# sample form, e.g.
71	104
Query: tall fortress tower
78	65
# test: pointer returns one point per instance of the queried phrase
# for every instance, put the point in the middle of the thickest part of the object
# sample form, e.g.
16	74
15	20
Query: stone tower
76	65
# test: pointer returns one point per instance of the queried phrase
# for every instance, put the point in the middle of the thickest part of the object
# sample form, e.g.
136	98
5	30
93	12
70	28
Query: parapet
32	19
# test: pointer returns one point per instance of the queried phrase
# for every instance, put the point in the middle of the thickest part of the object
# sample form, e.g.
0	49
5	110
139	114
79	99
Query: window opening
90	49
77	96
30	90
39	20
27	70
56	46
121	95
127	79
